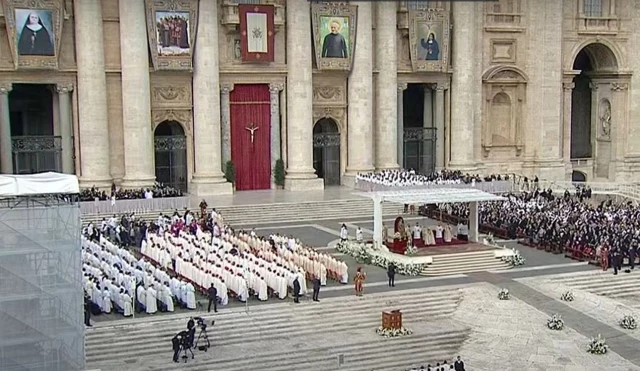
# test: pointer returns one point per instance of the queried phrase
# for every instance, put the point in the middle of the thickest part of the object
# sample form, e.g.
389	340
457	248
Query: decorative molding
226	88
327	12
440	86
569	85
275	88
328	93
337	114
186	8
431	21
52	13
594	86
619	86
174	96
181	116
503	50
402	87
5	89
64	88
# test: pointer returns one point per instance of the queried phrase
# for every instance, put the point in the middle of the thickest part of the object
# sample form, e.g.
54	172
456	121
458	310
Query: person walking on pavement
212	292
391	273
296	291
316	288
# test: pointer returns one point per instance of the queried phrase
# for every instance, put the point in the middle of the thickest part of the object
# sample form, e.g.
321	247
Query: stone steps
622	286
287	212
286	336
460	263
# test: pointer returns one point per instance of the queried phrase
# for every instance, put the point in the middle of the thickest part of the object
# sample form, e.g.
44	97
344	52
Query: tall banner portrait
257	32
334	35
429	40
34	28
171	26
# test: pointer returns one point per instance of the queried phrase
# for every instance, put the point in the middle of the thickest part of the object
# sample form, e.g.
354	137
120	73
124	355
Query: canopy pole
473	221
377	222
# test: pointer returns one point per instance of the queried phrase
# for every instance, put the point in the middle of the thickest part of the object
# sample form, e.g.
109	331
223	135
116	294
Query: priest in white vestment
151	302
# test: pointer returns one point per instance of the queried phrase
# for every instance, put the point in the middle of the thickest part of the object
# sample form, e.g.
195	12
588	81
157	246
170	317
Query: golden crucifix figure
252	128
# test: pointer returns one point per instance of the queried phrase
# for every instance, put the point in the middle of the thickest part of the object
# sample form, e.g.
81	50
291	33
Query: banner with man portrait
334	35
429	40
171	28
34	28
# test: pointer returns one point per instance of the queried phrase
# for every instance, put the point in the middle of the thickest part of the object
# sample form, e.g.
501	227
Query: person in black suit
391	273
87	311
458	365
316	288
213	298
296	291
632	257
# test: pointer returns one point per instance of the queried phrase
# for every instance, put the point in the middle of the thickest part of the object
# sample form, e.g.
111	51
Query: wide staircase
288	212
624	287
467	262
336	333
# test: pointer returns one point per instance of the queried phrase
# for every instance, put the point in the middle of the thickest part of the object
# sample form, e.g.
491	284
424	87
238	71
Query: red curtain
251	155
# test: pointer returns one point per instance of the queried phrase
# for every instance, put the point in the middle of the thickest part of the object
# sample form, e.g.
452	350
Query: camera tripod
204	337
183	353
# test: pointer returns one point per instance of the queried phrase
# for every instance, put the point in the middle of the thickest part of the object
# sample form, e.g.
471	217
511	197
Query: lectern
392	320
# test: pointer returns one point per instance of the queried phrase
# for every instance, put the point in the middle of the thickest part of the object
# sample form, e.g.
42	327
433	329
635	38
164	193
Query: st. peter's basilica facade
130	91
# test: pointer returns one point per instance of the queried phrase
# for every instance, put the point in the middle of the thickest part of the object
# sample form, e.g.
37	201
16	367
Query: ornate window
593	8
503	12
597	17
500	131
420	5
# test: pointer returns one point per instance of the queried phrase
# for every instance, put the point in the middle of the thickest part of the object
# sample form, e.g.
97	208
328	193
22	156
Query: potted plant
278	174
230	173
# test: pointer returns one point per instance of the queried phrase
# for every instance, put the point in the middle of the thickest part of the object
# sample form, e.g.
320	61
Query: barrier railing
496	186
137	205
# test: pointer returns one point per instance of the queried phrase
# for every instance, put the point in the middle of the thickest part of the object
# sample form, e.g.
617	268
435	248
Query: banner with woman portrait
34	28
429	40
171	27
334	35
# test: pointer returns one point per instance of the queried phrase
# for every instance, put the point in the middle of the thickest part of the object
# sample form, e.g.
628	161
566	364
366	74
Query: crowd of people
159	190
457	365
409	178
606	231
183	254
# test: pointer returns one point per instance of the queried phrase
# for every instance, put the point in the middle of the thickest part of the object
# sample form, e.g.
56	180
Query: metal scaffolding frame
41	296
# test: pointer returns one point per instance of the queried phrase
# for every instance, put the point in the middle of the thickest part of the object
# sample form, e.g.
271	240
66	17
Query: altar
400	237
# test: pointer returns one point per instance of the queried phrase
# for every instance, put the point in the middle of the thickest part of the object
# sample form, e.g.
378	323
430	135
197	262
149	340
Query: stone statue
605	120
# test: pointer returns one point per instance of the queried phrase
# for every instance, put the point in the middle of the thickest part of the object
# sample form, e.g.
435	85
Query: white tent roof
38	184
432	196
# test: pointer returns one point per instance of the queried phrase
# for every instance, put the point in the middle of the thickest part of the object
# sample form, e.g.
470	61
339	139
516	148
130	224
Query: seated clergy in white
151	301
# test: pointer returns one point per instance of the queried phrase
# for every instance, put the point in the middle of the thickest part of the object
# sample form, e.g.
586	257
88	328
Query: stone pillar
566	125
473	221
377	223
225	123
401	88
139	169
463	86
439	125
92	95
427	110
208	178
6	150
300	173
66	127
276	144
386	108
360	96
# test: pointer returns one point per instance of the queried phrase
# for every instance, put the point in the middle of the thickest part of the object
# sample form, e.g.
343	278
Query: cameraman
178	342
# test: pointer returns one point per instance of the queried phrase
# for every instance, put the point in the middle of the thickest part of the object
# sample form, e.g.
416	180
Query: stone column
473	222
427	110
400	91
139	169
276	144
386	108
92	95
300	173
360	96
377	223
6	150
208	178
225	123
439	125
66	127
463	87
566	125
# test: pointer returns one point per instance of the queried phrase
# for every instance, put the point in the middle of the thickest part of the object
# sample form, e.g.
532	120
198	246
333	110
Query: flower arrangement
490	239
364	254
598	346
503	294
555	322
629	322
567	296
393	332
515	260
411	250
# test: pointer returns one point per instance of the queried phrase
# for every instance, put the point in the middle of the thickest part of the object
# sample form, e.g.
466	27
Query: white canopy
38	184
432	196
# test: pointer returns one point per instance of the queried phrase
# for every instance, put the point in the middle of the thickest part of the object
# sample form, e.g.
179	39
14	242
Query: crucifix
252	128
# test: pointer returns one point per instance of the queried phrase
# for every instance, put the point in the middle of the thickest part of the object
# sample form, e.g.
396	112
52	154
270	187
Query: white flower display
393	332
515	260
503	294
411	250
365	254
598	346
629	322
567	296
555	322
490	239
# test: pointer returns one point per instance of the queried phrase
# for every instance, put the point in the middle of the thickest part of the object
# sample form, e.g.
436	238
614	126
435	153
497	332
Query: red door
251	136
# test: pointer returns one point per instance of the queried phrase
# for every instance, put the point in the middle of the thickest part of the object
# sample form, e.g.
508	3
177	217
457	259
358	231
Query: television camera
203	337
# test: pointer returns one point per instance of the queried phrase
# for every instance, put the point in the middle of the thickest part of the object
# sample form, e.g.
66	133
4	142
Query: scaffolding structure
41	295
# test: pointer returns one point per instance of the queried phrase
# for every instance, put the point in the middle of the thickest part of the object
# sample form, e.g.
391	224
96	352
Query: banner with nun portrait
429	40
34	28
171	28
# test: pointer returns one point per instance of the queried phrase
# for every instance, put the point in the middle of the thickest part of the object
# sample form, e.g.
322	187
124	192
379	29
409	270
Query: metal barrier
496	186
137	205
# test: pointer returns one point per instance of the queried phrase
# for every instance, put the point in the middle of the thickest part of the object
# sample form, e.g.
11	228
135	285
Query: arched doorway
170	143
326	151
578	176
